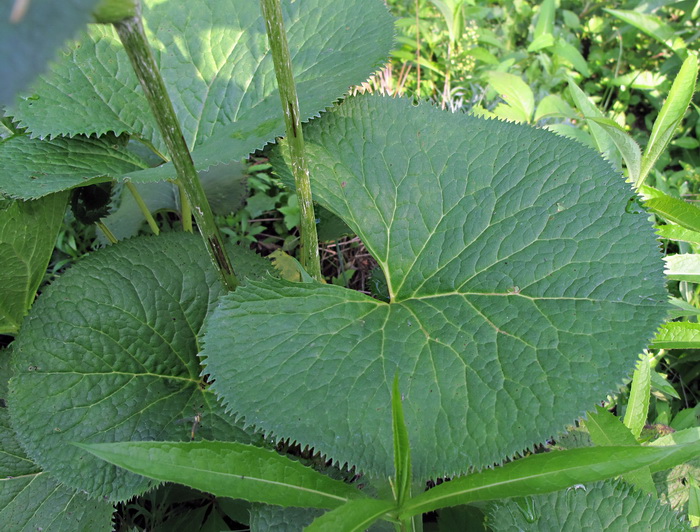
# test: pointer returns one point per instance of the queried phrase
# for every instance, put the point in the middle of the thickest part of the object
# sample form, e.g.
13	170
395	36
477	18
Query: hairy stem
133	37
272	12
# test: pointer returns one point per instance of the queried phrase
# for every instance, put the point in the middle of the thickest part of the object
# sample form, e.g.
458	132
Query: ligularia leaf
520	289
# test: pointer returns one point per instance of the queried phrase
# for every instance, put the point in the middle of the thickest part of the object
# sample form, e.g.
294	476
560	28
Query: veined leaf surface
608	505
31	168
27	236
216	64
515	300
32	500
109	353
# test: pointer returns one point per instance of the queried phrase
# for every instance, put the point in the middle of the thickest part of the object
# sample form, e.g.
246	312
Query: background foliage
594	71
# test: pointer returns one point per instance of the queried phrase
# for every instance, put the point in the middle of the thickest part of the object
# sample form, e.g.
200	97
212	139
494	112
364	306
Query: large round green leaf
521	292
109	353
216	63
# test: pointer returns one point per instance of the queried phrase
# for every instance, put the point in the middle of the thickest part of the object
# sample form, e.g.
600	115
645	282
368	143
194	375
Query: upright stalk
133	37
274	23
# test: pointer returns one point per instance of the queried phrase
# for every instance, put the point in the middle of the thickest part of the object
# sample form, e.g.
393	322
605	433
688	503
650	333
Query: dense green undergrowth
488	286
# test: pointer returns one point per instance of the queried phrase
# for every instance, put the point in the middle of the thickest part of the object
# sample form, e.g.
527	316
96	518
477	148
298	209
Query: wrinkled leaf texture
521	293
608	505
215	61
109	353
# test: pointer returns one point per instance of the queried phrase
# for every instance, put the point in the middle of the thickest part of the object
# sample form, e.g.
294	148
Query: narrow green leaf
353	516
675	210
671	114
605	429
659	383
682	308
678	335
694	502
604	143
543	37
676	232
27	236
229	469
683	267
638	404
553	471
402	449
628	148
686	418
652	26
514	91
680	437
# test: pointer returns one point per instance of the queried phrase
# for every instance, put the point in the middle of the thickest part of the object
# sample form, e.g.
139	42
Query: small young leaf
545	473
677	335
676	232
638	404
659	383
671	114
514	91
694	502
229	469
683	267
604	142
402	449
353	516
628	148
554	105
605	430
675	210
543	37
569	53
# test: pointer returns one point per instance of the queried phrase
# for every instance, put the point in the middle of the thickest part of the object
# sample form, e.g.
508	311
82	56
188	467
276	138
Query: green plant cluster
514	222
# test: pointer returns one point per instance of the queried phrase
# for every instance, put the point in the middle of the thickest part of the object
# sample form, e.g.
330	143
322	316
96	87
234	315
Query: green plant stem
144	208
185	209
135	43
110	236
272	12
